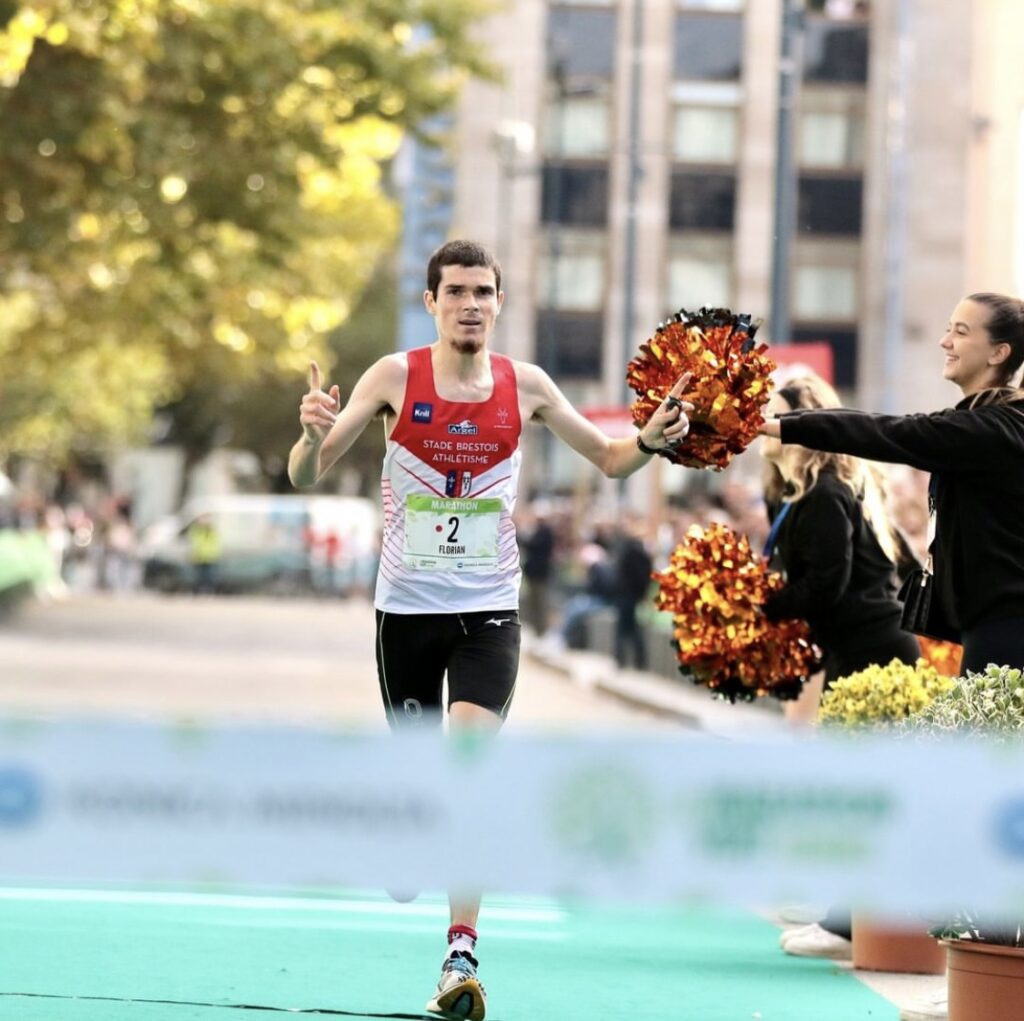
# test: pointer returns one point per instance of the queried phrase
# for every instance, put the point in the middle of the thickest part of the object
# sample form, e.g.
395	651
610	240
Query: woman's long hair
864	478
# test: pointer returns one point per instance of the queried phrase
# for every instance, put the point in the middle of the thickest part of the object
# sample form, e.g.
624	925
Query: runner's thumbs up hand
318	410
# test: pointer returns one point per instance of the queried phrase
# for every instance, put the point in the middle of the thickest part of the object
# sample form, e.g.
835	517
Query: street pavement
307	661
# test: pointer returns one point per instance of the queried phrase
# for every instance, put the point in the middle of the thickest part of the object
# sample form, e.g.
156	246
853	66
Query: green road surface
108	955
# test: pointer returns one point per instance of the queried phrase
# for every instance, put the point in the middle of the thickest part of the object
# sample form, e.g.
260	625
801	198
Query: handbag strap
933	485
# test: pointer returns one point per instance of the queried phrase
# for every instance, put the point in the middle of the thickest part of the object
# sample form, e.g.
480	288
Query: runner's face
466	307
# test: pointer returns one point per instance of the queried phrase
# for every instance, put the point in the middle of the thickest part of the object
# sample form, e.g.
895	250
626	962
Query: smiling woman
975	453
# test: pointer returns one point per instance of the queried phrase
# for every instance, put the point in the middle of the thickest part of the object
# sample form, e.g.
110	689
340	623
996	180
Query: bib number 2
443	534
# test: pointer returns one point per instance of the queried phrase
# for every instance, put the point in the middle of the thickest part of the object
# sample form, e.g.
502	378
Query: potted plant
985	956
882	697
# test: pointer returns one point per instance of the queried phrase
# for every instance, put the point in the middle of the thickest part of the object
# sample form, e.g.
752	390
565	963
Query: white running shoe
814	941
459	995
930	1008
801	914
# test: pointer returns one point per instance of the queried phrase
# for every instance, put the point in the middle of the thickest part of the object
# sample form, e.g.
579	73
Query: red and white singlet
449	485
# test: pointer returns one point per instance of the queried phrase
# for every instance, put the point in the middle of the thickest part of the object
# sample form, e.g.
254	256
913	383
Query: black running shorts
479	651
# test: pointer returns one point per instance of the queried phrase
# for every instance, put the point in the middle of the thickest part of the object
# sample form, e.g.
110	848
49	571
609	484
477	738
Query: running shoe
459	995
814	941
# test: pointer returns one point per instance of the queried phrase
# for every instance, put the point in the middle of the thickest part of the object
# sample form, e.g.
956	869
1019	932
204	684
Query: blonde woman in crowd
833	540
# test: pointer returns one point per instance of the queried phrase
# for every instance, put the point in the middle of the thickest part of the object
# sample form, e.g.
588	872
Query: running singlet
449	485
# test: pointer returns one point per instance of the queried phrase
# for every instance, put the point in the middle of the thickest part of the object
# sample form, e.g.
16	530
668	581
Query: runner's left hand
669	424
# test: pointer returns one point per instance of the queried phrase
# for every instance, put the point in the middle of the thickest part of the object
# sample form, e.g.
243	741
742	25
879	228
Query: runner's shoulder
532	380
385	380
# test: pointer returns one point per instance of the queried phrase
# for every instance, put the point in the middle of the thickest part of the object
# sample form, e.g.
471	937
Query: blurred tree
353	347
191	201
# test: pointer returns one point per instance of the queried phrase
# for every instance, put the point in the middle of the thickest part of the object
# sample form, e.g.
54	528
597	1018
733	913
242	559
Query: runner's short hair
460	253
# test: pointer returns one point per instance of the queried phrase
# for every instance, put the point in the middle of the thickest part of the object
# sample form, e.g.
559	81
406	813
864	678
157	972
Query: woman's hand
771	427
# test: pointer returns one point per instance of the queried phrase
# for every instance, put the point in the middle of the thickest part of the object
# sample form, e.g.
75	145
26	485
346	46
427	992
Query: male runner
447	591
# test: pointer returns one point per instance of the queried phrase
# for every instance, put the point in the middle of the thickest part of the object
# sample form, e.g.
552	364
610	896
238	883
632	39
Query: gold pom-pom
715	587
730	382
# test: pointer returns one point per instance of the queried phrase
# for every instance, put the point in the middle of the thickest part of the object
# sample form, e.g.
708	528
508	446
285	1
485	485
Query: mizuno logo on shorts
496	622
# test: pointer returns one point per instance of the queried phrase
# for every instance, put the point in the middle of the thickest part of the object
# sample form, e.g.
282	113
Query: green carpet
82	956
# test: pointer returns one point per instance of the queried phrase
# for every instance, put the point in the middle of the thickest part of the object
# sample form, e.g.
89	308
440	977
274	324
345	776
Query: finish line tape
915	828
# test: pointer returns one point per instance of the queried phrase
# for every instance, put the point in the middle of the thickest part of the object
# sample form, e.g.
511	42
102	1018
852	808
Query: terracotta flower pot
986	982
879	946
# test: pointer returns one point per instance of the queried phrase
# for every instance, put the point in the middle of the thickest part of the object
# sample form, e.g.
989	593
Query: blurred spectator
58	540
537	548
79	563
204	554
632	582
120	566
598	591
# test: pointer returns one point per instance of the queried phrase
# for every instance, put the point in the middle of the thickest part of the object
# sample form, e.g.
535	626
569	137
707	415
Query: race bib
443	534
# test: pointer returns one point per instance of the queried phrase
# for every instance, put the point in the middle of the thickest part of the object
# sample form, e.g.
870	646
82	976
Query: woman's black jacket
837	577
976	457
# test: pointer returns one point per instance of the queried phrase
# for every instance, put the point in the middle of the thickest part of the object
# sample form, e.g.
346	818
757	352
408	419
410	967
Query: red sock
461	937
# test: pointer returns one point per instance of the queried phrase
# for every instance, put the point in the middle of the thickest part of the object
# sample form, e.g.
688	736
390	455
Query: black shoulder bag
923	615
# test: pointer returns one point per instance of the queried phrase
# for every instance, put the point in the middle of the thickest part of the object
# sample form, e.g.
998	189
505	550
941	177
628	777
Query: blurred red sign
815	355
614	421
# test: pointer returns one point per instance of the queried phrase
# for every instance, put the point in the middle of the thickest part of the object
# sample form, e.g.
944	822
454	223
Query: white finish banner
874	823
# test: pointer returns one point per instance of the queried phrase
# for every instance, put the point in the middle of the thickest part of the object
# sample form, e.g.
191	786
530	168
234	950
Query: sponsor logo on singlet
463	428
422	412
458	484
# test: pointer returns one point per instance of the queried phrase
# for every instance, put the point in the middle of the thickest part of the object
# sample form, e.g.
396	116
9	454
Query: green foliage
989	704
882	695
969	925
191	194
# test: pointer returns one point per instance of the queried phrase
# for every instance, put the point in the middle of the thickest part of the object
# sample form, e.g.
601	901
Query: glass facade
703	144
707	47
575	178
569	344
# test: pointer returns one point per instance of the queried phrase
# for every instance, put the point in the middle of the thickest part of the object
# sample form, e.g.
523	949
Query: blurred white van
284	544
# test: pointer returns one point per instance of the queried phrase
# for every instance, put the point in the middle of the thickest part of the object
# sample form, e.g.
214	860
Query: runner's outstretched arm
616	458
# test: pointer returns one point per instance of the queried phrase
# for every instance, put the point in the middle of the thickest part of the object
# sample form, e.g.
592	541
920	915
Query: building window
581	42
842	340
569	344
702	201
712	5
705	134
835	51
830	205
577	126
825	292
571	273
574	194
700	272
707	47
841	10
831	129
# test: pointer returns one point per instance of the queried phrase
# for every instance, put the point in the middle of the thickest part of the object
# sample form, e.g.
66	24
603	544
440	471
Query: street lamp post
790	69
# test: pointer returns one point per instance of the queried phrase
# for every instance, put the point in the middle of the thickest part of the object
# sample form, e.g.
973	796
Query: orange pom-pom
944	656
730	381
715	587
